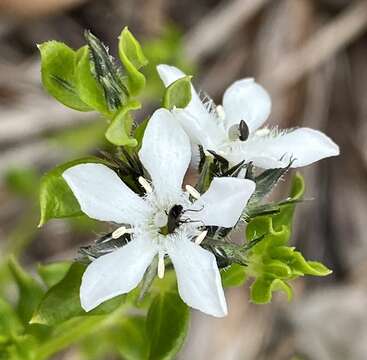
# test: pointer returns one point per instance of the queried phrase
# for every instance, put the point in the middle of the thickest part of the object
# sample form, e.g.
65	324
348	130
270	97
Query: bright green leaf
53	273
30	291
9	321
58	74
234	275
119	131
262	289
139	132
178	94
167	326
61	301
132	57
277	268
90	91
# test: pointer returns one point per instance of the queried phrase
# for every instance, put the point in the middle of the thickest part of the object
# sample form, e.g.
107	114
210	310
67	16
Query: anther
201	237
121	231
192	191
239	131
145	184
161	265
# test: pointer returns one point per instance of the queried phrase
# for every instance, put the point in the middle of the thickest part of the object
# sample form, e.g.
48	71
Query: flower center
239	131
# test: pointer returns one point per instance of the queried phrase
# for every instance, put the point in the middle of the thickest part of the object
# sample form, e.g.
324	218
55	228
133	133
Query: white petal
198	278
246	100
103	196
116	273
197	121
165	153
223	203
304	145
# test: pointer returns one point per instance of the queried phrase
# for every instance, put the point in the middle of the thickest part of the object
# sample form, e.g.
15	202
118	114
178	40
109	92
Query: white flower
165	154
247	104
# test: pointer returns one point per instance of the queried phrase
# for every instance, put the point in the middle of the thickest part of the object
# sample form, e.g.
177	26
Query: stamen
201	237
220	112
161	265
192	191
145	184
121	231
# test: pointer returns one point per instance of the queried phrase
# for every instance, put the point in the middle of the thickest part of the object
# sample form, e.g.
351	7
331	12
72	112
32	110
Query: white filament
121	231
145	184
201	237
161	265
192	191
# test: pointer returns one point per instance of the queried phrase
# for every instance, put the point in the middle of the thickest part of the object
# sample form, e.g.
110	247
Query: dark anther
244	131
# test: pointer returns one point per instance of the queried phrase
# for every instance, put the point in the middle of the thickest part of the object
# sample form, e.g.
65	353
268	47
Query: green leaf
53	273
132	57
58	74
30	291
118	133
62	301
9	321
178	94
56	198
233	276
262	289
90	91
277	269
271	261
68	333
167	326
308	267
139	132
131	339
23	347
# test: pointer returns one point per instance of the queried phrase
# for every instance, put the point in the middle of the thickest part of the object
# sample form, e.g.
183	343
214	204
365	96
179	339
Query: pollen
145	184
192	191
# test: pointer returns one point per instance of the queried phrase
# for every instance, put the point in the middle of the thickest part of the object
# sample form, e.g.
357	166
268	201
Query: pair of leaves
89	79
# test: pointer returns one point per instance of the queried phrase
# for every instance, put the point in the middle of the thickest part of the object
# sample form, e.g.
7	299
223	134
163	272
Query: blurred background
312	57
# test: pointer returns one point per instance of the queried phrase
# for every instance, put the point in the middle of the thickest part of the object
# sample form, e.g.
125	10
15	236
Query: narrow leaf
30	291
132	57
